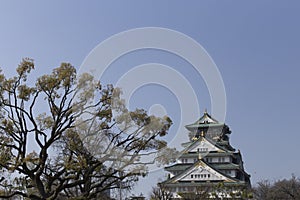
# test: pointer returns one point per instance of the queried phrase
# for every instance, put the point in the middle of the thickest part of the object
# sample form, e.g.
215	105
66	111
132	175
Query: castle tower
208	165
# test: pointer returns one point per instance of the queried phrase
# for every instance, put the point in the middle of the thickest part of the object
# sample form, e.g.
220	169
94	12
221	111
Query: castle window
202	149
184	160
192	176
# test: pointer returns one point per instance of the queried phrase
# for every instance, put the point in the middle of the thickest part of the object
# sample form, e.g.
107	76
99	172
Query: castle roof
200	165
205	121
180	167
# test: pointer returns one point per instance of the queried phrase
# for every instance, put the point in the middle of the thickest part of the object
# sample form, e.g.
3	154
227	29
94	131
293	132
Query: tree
69	137
216	191
263	190
198	193
221	191
160	192
288	189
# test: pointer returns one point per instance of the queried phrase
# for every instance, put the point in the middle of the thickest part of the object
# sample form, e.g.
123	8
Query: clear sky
255	45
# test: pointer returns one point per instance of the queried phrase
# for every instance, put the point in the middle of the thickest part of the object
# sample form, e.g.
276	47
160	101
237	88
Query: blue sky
255	44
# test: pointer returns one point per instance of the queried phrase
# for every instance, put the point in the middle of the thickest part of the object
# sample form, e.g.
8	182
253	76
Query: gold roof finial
199	155
202	134
194	138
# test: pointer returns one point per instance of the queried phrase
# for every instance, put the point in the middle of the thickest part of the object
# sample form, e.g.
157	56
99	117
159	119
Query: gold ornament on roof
202	134
199	156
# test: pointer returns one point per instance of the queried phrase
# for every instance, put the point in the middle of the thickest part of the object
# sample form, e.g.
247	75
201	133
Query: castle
208	166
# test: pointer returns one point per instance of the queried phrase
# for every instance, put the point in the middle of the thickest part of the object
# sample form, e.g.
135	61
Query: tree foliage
69	137
288	189
160	192
203	192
